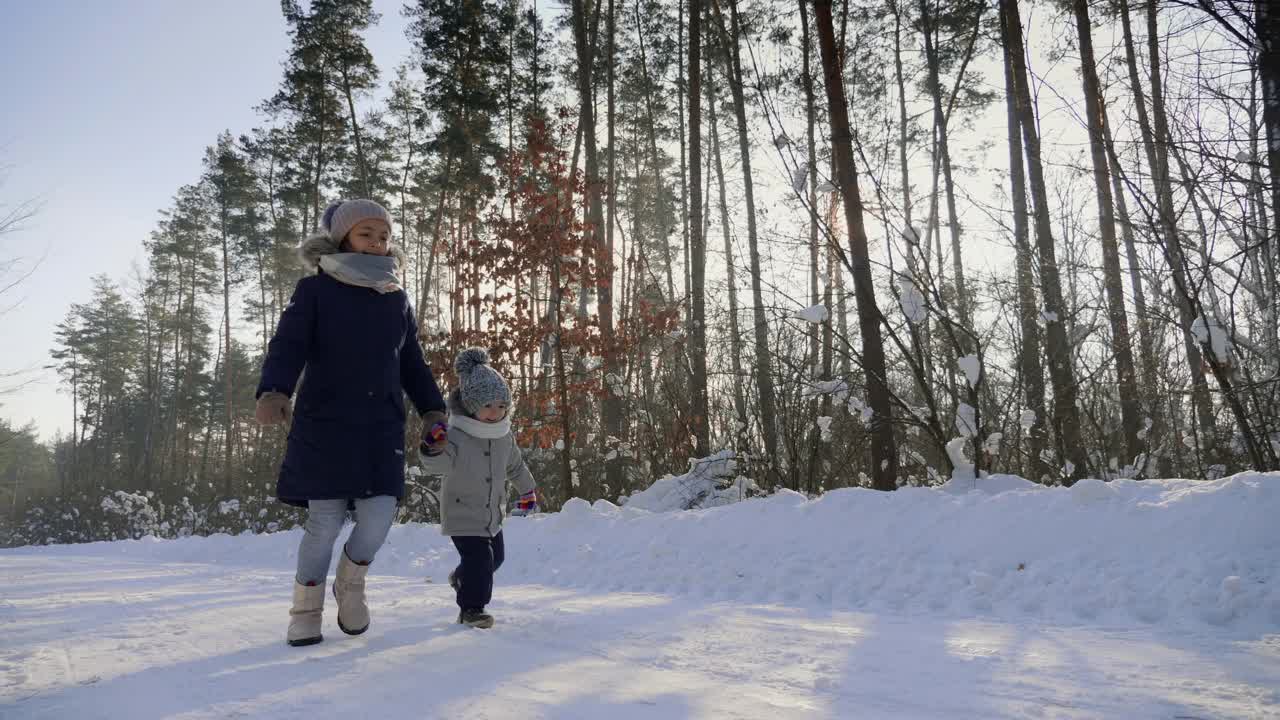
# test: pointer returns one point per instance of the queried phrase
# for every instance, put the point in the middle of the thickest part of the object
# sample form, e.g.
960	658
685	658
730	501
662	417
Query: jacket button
370	393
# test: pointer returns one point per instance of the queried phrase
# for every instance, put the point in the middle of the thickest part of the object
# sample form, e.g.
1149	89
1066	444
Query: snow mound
710	482
989	484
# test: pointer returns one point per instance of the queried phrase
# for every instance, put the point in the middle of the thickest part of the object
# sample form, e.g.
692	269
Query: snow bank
1158	551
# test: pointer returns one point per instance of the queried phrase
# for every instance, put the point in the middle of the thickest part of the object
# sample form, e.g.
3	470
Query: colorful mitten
434	438
528	503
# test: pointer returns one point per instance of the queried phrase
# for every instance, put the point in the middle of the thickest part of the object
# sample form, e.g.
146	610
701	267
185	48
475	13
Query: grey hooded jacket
477	464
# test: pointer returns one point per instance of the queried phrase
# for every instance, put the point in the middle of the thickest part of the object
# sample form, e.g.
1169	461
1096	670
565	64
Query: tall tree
1030	363
232	192
730	35
1066	416
965	14
697	242
1156	142
884	453
1122	348
601	250
462	49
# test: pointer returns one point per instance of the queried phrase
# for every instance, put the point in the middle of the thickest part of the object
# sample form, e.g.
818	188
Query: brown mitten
273	407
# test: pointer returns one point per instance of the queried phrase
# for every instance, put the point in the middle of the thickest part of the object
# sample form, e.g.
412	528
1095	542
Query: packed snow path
1130	600
95	638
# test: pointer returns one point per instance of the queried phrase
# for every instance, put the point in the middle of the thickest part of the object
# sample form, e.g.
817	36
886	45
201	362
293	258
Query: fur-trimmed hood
319	244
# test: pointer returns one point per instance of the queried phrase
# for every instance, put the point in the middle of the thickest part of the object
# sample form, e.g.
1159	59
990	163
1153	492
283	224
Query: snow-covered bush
710	482
120	515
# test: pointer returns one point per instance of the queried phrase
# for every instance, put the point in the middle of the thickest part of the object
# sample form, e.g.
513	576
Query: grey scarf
372	271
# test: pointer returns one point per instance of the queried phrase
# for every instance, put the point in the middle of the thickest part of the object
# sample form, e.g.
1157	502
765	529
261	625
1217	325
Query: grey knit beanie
478	383
343	215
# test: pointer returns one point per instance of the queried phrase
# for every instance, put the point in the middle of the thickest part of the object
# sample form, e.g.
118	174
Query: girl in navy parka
348	343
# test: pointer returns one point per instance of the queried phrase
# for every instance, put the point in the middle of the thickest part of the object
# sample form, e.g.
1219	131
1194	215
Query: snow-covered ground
1158	599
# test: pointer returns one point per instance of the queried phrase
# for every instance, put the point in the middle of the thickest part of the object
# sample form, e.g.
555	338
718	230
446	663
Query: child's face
369	237
492	413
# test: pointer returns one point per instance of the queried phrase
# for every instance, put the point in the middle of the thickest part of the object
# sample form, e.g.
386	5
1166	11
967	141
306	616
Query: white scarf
482	430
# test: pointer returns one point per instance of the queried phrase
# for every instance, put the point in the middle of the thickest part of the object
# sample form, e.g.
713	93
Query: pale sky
108	107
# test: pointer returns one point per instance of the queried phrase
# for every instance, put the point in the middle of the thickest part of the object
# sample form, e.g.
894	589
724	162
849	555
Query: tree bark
1267	23
1029	360
1156	140
944	152
1066	416
884	455
764	365
697	242
361	163
1096	119
741	418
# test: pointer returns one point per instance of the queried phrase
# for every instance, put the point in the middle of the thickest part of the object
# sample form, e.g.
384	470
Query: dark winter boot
475	617
306	614
348	590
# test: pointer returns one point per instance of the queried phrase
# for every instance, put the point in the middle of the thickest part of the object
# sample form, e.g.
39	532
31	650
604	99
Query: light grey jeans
373	518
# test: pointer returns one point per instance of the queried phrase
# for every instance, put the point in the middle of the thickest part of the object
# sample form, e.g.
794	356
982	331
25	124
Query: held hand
435	436
273	407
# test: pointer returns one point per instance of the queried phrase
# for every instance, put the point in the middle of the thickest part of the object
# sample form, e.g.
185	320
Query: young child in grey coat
478	460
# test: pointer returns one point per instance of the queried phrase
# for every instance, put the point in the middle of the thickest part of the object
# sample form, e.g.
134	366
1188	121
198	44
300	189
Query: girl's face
369	237
492	413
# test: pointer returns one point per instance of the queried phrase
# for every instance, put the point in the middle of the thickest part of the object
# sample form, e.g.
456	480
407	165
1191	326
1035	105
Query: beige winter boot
348	590
306	614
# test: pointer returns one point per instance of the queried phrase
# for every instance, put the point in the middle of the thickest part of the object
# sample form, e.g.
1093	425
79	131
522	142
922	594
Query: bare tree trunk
1145	334
1066	417
562	397
1029	360
655	161
764	365
315	188
735	336
228	390
1267	24
1096	111
884	454
435	244
355	131
75	416
681	90
1156	140
811	158
902	118
944	153
1149	384
816	334
697	241
1262	231
613	402
837	271
602	248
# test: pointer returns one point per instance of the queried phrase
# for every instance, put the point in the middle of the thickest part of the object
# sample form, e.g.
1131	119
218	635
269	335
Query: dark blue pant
481	557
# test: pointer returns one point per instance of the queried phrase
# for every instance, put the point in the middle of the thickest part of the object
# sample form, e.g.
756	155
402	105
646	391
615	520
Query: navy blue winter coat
358	348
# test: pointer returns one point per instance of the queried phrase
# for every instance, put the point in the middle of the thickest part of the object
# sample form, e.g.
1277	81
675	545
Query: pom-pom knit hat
478	383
